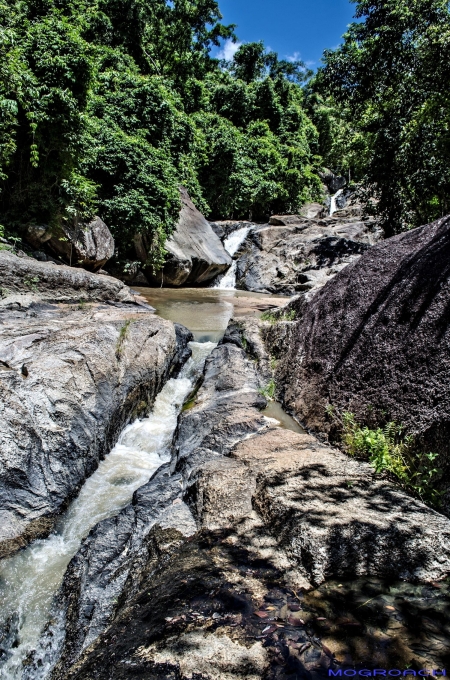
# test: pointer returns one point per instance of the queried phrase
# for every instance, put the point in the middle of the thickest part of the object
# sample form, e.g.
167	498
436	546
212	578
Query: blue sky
290	27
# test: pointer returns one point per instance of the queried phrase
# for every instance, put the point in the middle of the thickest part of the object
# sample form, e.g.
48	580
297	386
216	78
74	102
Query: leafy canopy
381	104
107	106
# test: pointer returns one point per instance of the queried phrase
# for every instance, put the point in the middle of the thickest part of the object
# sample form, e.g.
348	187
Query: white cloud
293	57
228	50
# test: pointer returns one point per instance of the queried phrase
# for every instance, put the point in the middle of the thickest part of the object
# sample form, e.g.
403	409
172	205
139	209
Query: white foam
231	244
29	579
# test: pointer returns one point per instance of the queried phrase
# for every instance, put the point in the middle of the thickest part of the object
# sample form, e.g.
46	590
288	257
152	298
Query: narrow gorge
164	517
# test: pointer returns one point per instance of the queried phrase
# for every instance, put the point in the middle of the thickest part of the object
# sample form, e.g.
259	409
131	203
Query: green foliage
31	282
389	450
123	334
383	108
269	390
276	317
108	107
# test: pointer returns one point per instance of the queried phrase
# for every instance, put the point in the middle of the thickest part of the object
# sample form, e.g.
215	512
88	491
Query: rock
309	211
195	252
335	517
184	352
218	230
375	341
51	283
333	182
117	556
130	273
119	553
227	408
275	510
88	372
224	228
299	254
221	493
312	211
87	245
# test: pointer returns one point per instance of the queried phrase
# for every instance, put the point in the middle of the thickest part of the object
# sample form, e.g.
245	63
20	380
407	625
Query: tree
391	81
107	106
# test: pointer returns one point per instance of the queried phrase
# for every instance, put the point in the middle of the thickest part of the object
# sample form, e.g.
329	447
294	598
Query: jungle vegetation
107	106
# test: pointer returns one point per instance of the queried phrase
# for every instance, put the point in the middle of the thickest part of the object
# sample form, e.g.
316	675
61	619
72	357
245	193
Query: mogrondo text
394	672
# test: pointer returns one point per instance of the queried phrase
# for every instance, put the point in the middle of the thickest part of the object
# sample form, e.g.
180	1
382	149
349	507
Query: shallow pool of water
207	311
374	623
275	410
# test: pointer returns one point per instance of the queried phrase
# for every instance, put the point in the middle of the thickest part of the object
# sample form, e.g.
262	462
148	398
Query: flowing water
231	244
333	204
361	621
29	579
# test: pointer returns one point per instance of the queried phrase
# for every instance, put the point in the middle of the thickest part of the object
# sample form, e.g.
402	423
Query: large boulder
69	382
24	279
88	245
195	252
276	511
376	341
294	253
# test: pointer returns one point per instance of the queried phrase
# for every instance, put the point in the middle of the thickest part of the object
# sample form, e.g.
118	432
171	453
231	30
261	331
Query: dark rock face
333	182
184	352
87	245
377	338
224	228
117	556
274	510
122	551
227	409
69	382
196	254
295	254
24	279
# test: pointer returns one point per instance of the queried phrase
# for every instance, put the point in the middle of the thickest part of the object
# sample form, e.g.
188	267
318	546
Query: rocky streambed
219	557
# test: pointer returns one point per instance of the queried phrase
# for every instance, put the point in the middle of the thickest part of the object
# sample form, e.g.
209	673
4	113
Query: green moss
275	317
269	390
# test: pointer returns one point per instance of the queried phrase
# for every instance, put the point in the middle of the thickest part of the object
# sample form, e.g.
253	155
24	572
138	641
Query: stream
30	578
359	620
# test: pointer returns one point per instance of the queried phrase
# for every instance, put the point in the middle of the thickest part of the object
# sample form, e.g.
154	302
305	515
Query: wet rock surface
119	552
273	512
195	252
226	409
70	379
296	253
375	341
117	557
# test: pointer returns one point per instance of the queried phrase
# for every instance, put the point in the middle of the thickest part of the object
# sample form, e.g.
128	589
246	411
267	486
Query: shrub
389	450
269	390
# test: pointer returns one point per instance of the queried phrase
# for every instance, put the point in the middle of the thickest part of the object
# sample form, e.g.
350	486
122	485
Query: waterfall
333	206
231	244
30	578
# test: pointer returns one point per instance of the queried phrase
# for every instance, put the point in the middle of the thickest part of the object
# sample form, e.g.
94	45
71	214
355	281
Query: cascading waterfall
333	205
231	244
29	579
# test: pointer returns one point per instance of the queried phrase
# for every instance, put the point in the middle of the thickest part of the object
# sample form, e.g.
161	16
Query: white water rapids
333	205
231	244
29	579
